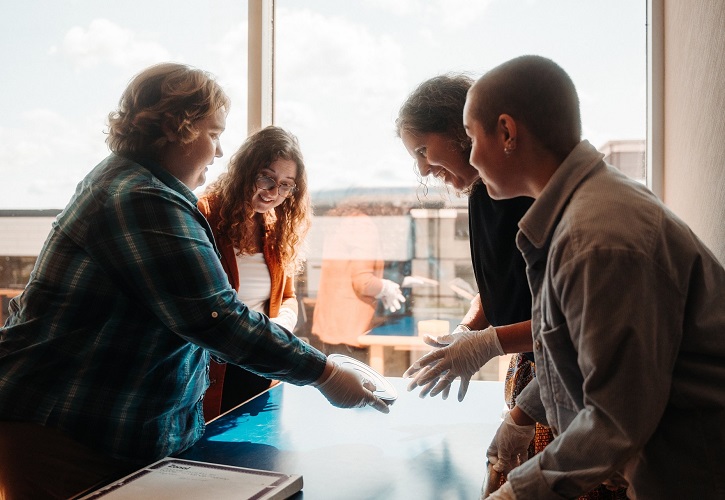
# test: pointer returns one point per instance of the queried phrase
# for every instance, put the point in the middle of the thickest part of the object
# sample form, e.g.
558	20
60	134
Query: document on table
177	479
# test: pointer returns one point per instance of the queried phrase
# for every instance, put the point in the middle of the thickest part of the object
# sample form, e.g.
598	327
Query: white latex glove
391	296
344	388
447	339
510	445
505	492
286	318
462	355
442	341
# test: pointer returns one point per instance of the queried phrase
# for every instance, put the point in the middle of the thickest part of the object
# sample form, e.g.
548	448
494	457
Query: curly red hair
287	224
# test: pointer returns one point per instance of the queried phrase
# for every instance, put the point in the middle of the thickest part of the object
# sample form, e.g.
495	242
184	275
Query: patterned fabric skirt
519	374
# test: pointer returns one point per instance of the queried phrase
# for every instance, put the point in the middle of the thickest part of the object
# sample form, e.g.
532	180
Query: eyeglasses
268	184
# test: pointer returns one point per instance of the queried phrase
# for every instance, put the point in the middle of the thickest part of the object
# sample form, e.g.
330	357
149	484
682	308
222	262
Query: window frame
261	80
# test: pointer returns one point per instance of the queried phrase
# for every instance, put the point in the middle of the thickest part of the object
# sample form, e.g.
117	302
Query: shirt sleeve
611	355
529	402
364	279
289	297
158	247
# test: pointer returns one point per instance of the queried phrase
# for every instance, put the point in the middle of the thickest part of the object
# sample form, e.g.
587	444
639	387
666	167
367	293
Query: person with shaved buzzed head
628	307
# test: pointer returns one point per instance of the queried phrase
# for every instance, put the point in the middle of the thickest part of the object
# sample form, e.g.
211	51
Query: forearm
365	280
164	237
520	417
516	337
475	318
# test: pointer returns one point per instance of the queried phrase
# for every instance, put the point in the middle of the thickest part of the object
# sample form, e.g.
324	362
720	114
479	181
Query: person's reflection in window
351	283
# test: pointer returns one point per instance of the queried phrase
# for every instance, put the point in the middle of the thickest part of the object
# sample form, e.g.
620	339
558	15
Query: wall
694	109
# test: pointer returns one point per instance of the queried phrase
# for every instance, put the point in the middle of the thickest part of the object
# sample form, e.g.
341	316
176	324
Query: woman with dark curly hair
430	124
259	211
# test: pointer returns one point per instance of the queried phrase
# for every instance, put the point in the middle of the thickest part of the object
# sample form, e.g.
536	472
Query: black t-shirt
498	266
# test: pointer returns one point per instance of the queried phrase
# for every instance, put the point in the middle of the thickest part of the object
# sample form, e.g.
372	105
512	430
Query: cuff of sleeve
527	481
529	401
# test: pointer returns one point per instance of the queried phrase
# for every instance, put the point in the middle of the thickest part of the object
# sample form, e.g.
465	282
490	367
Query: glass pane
343	71
65	65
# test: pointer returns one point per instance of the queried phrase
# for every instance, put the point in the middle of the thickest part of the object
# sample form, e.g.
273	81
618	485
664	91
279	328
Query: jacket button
214	314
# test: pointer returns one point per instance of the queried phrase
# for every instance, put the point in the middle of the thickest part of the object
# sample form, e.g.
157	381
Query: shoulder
609	212
116	185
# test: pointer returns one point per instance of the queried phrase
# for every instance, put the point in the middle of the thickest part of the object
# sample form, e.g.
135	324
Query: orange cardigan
282	294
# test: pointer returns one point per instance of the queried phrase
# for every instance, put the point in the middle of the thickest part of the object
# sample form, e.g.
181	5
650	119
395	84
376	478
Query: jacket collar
540	220
168	179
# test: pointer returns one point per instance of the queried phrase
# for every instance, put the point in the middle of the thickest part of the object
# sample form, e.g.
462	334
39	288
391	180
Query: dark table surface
423	449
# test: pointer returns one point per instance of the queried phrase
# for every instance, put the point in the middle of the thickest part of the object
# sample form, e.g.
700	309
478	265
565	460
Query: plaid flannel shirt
110	341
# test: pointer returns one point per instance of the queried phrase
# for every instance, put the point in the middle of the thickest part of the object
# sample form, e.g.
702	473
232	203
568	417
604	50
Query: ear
170	134
507	127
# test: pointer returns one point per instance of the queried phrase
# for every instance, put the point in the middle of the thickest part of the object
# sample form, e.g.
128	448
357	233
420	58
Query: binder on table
178	479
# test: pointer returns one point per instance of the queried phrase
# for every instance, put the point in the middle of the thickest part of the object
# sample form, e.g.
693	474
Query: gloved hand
344	388
510	445
505	492
442	341
447	339
391	296
462	355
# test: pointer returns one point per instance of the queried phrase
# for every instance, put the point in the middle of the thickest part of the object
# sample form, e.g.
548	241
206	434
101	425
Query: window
66	71
66	64
343	70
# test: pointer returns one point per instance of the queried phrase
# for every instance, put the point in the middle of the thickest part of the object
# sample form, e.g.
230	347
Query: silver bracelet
468	328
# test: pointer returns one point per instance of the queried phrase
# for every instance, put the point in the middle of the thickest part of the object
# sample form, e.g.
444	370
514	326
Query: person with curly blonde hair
104	357
259	211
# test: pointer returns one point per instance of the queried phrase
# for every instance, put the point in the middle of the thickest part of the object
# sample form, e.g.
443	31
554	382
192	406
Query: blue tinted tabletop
423	449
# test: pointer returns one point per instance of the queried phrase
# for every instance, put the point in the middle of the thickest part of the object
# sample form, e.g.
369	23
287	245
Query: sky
343	70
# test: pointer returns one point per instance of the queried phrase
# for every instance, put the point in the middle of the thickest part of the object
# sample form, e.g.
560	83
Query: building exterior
629	156
22	234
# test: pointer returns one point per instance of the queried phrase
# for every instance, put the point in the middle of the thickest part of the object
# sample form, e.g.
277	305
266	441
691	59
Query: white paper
176	479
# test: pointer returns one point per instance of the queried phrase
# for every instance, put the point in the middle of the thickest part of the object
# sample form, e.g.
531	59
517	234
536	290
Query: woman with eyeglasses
259	211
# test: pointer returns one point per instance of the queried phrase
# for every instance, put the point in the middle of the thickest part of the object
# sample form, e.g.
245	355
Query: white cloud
398	7
336	84
455	14
106	42
232	50
231	71
328	51
447	14
50	155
